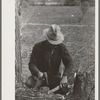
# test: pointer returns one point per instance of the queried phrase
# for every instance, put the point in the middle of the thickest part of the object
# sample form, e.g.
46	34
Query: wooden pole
18	60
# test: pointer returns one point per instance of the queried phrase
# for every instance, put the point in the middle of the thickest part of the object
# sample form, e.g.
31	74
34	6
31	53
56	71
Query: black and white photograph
55	50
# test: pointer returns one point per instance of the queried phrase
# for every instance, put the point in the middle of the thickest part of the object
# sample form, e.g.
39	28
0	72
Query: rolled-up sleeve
67	61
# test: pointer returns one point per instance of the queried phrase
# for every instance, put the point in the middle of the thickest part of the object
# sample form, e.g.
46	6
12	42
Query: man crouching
50	56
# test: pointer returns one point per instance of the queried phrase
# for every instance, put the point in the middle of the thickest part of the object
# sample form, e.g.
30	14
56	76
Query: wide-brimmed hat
53	34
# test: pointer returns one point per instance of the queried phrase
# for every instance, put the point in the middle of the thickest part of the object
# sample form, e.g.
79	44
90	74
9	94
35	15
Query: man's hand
64	81
40	74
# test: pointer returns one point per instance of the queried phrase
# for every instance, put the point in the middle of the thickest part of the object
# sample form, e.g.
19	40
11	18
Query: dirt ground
57	14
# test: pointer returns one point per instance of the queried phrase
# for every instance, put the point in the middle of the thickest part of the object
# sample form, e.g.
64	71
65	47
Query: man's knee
63	90
31	82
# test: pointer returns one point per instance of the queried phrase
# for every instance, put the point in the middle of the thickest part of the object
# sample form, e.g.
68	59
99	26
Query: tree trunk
18	61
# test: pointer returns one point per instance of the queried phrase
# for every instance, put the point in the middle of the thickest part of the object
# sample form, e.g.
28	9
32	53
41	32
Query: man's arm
32	64
67	61
33	69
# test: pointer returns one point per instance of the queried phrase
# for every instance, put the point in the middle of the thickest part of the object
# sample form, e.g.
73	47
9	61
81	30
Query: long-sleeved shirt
47	58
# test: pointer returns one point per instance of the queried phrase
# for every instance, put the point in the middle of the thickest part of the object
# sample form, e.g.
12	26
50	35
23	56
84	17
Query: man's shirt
48	59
